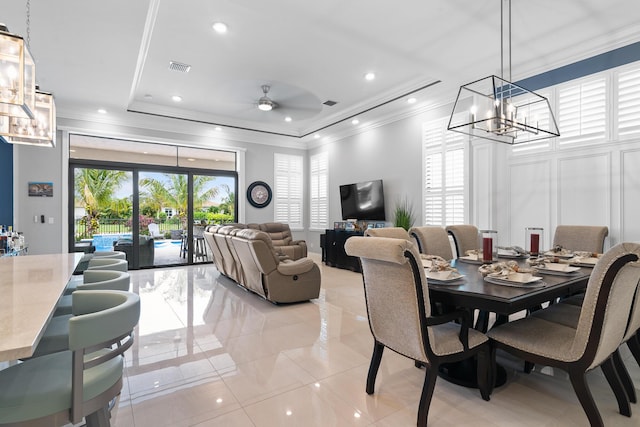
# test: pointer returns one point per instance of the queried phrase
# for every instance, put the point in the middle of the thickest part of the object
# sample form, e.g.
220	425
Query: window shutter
319	176
582	111
629	102
444	183
288	189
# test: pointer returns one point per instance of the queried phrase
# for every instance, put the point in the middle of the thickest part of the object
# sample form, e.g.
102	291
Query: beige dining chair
64	387
432	240
581	237
567	313
600	329
465	237
394	232
400	318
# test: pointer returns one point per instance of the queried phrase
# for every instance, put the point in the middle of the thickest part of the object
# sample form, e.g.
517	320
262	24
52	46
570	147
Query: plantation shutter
582	114
629	102
443	175
288	189
319	176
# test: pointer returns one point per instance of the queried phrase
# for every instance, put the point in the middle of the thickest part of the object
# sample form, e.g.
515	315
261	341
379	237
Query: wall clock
259	194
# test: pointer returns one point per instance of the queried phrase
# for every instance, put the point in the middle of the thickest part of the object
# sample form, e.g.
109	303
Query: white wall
38	164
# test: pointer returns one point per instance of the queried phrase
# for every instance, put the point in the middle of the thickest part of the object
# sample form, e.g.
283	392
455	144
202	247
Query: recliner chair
282	239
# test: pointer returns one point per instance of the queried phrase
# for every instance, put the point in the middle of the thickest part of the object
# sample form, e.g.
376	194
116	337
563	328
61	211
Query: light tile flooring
208	353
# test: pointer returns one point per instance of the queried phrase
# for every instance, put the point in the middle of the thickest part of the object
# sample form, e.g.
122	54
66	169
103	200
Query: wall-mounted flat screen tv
363	201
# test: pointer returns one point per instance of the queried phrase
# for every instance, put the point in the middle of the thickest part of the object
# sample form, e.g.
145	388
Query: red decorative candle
535	244
487	249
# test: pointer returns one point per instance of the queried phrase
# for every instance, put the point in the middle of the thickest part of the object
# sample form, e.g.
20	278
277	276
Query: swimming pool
104	242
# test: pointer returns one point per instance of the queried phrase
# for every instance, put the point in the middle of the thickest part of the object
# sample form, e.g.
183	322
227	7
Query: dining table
473	292
30	287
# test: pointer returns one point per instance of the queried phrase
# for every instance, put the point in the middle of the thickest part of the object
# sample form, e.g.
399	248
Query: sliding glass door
102	208
151	201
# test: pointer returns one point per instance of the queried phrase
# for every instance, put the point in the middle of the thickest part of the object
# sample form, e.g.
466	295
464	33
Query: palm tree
94	190
229	201
174	191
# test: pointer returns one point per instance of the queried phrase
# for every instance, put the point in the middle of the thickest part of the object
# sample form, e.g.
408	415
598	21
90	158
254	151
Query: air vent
177	66
329	103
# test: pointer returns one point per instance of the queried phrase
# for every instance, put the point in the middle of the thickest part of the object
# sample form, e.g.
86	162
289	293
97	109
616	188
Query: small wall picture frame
379	224
41	189
338	225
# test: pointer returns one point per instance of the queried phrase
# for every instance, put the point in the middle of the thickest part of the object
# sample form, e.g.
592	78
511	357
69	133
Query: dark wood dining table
473	292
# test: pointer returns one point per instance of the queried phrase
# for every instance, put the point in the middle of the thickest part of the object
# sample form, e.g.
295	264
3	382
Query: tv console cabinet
333	254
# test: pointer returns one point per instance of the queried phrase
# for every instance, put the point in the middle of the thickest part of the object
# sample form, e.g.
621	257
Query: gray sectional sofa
248	257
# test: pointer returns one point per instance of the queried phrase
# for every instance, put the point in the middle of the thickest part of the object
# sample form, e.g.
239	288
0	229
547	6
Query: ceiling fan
265	103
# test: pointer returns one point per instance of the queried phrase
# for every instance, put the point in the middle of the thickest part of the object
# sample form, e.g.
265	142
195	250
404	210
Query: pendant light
39	127
494	108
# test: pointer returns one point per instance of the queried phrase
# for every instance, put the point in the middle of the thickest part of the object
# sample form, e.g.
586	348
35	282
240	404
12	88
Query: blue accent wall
614	58
6	184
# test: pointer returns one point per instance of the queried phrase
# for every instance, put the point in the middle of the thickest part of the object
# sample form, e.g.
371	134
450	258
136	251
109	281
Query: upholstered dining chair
393	232
567	312
551	338
400	318
64	387
581	237
432	240
465	237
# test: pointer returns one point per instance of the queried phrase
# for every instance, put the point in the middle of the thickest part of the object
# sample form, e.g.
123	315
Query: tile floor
208	353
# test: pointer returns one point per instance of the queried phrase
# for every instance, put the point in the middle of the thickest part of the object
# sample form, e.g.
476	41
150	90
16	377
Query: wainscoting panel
630	196
584	190
529	201
483	183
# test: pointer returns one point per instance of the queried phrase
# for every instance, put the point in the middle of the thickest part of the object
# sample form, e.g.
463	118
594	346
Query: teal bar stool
64	387
110	254
111	264
95	280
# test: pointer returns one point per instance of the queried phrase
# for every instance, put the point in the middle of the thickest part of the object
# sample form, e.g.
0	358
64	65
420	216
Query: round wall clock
259	194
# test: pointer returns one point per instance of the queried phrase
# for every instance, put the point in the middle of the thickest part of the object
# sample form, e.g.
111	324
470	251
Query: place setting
439	271
510	274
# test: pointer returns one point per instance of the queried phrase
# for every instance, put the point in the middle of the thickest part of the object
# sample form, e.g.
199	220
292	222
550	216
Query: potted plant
403	214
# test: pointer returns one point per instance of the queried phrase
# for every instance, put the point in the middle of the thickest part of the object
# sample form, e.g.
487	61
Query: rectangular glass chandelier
40	131
493	108
17	76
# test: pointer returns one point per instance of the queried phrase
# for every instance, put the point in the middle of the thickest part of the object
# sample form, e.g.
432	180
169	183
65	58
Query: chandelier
27	115
17	76
39	131
494	108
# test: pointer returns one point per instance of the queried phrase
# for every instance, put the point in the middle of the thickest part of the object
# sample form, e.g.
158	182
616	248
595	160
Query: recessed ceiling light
220	27
148	97
218	129
191	160
411	100
72	150
316	136
102	111
287	119
176	98
145	152
369	76
355	121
